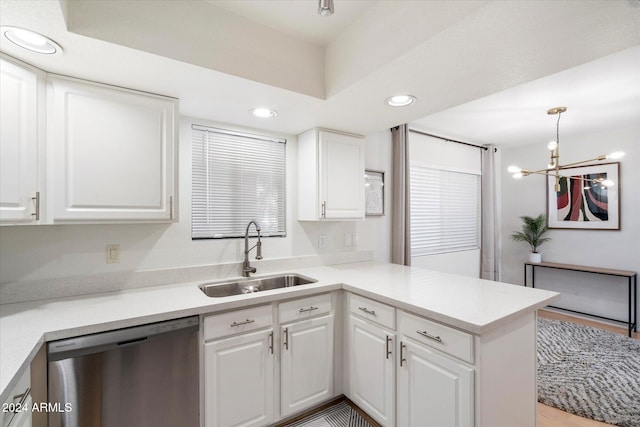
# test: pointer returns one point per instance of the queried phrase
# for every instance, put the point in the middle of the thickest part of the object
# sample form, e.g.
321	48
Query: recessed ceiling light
264	113
401	100
31	41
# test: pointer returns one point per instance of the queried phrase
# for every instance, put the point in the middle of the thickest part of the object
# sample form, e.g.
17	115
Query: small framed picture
589	198
374	193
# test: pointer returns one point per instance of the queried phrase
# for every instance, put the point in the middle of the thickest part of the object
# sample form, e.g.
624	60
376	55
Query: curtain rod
448	139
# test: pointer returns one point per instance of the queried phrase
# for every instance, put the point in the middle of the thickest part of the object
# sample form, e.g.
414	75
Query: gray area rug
589	372
338	415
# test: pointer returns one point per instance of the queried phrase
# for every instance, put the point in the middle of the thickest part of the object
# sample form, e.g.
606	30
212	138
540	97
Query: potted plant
532	231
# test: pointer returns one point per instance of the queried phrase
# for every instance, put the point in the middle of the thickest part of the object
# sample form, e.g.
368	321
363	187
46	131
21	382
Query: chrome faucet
246	267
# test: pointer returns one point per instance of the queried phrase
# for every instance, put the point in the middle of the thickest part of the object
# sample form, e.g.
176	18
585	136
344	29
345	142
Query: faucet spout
246	266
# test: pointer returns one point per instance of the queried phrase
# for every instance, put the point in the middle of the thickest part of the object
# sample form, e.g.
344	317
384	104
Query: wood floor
552	417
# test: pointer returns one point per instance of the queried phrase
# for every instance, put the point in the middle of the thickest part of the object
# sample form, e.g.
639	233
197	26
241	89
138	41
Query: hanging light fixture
554	166
325	7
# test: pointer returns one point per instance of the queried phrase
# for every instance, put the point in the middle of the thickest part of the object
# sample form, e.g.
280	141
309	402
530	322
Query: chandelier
554	167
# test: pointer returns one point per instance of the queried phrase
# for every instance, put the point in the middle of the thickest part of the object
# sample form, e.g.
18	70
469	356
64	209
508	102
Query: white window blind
236	178
445	211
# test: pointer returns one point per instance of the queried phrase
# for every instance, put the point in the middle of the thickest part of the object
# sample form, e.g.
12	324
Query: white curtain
400	211
490	249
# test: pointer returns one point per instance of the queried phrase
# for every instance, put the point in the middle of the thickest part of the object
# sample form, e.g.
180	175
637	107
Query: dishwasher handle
105	341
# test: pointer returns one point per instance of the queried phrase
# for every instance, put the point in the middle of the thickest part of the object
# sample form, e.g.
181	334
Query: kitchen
53	261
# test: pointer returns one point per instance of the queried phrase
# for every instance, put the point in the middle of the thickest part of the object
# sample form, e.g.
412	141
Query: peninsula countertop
471	304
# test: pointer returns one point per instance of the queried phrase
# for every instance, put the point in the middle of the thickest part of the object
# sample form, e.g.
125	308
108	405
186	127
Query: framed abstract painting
585	201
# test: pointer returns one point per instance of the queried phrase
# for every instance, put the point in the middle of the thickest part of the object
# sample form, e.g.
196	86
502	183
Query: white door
433	389
341	175
239	381
306	363
111	153
18	143
371	370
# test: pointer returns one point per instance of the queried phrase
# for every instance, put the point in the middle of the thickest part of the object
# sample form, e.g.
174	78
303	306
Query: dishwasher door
144	376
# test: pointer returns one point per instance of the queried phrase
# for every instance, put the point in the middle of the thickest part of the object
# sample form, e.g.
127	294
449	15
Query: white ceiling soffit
445	53
199	33
602	94
299	18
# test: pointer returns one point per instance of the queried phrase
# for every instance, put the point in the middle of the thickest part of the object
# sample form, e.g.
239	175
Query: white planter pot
535	257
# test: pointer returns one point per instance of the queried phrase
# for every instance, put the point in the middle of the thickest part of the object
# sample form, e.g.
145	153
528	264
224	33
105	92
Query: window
236	178
445	211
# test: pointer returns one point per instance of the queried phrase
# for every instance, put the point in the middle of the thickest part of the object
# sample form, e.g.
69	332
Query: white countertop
470	304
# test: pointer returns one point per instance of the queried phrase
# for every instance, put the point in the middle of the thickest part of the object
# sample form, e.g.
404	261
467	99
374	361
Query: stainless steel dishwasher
144	376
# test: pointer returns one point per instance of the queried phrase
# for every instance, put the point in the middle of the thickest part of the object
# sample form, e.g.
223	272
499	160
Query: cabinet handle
304	310
271	342
36	214
21	398
388	350
402	347
170	207
286	338
431	337
324	209
246	322
371	312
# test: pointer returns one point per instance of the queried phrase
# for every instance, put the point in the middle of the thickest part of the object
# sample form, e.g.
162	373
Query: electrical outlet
113	254
356	239
348	240
322	241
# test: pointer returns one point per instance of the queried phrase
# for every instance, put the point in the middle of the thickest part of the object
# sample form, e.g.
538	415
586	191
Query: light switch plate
113	254
322	241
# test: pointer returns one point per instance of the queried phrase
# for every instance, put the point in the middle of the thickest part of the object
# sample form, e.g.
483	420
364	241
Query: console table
632	277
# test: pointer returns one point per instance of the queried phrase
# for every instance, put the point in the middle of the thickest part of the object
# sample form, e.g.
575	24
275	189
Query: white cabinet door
330	176
371	370
111	153
306	363
18	143
341	175
433	389
239	381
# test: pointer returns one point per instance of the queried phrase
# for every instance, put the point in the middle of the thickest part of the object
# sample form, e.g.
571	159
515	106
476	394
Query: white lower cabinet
240	376
372	369
266	363
241	353
434	390
420	376
239	371
306	364
16	410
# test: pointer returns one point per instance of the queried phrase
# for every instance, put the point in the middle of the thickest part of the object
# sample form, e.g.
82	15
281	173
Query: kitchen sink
250	285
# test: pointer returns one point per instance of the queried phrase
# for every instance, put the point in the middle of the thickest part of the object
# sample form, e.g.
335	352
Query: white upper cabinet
111	153
19	127
330	176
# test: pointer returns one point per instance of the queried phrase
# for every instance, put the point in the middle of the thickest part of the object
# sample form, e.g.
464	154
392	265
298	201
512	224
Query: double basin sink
250	285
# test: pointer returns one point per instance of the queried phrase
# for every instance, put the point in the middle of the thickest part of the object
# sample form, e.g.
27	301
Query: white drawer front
438	336
305	308
234	322
373	311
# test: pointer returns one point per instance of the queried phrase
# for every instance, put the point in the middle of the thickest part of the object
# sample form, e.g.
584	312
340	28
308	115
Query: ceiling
299	18
483	71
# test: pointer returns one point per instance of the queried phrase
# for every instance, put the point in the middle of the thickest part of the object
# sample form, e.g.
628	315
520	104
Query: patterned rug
338	415
589	372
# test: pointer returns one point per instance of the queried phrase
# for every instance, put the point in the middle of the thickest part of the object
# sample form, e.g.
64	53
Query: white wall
439	154
43	252
609	249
